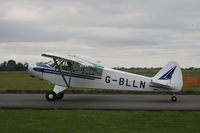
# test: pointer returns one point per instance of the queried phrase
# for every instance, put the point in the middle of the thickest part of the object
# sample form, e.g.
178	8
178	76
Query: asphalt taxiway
102	101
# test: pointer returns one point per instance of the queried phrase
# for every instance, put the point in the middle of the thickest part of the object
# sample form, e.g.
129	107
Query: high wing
81	60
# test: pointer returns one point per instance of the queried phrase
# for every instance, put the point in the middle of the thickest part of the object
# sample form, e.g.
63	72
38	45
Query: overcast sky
130	33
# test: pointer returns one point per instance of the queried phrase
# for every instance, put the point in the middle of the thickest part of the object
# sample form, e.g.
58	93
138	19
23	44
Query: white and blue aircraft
76	71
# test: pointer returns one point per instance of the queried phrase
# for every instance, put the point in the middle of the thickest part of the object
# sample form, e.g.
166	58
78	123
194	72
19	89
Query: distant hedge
11	65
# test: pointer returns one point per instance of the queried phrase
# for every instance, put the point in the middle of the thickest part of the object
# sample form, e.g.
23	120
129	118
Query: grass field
22	81
87	121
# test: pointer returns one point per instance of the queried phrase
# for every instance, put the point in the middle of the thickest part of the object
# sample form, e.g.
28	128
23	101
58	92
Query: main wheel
51	96
174	98
60	96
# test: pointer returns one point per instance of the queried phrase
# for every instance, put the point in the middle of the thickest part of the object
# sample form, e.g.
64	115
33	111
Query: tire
60	96
174	98
51	96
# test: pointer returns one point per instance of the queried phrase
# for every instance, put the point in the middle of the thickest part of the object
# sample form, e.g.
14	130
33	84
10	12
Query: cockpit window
77	68
80	69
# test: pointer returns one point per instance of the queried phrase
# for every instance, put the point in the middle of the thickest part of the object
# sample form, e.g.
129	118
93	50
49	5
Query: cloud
124	33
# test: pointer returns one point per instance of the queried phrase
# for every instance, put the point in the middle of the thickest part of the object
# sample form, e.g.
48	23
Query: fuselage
109	79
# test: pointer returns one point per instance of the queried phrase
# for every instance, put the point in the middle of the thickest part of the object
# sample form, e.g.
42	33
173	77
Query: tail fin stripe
168	75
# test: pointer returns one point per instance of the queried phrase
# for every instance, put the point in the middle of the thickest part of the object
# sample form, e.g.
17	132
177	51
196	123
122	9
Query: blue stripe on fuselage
44	70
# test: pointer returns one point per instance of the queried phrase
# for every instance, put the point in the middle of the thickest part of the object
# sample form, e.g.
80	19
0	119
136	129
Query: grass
87	121
193	90
22	82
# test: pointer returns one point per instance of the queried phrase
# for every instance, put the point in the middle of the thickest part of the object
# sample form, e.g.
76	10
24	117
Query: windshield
50	63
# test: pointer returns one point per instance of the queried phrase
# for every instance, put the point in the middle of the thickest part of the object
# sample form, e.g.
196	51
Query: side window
65	66
80	69
93	71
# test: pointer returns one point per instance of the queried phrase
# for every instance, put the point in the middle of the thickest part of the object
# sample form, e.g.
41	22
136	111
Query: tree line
12	65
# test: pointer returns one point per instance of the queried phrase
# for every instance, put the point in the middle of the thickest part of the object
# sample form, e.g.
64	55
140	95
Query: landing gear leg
60	96
57	93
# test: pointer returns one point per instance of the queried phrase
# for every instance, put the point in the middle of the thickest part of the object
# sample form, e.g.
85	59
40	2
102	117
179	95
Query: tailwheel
174	98
51	96
60	96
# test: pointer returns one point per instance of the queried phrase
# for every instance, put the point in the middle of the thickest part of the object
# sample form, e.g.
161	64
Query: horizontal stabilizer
162	86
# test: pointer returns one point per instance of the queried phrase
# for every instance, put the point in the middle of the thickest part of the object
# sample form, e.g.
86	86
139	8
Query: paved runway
102	101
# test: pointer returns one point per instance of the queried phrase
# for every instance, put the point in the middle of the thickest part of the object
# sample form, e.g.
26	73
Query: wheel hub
50	96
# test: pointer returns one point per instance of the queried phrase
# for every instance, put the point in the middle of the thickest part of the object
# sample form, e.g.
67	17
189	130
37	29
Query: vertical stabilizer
170	75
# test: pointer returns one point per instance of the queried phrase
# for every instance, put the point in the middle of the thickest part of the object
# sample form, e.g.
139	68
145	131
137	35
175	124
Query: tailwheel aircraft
75	71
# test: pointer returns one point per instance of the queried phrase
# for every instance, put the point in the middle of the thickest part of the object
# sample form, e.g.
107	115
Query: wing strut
70	66
63	77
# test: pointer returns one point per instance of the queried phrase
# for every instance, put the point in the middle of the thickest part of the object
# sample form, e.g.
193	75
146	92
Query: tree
20	67
11	66
3	66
